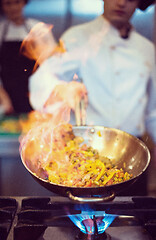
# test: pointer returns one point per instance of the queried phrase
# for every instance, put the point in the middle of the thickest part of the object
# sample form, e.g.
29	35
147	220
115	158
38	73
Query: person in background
5	102
15	69
117	67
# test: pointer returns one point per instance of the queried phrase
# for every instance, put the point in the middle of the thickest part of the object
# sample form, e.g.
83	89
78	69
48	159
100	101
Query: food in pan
70	162
85	167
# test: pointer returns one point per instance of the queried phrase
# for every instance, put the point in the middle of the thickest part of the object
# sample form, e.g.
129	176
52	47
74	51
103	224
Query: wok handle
90	199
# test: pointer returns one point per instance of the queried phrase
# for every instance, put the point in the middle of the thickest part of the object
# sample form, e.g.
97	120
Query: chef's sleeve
52	72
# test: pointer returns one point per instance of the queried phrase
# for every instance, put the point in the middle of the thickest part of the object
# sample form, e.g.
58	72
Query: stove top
45	218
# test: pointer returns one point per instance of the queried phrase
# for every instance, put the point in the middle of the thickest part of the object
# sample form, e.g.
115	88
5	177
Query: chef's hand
69	93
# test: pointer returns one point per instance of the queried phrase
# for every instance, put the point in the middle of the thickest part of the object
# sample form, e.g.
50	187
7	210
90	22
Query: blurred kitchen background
14	178
64	13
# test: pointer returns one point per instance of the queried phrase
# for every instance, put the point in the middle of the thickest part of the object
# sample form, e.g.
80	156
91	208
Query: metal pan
129	153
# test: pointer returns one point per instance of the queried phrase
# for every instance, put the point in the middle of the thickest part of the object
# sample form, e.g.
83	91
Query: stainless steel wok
129	153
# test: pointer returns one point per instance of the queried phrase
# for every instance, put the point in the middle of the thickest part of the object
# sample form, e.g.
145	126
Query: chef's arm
52	82
5	101
41	84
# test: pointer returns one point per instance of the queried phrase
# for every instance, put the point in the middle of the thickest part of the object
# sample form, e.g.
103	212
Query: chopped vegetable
83	167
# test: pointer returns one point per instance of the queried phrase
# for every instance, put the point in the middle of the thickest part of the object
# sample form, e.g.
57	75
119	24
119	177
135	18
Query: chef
14	68
117	66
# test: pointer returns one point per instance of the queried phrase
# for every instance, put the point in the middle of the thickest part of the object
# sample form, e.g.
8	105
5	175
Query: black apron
15	72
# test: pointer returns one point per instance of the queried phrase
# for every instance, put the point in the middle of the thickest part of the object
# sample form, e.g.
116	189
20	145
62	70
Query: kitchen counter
9	136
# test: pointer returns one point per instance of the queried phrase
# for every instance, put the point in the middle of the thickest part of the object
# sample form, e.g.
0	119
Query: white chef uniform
118	73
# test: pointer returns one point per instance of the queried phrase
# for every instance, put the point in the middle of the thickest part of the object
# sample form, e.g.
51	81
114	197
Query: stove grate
27	218
8	208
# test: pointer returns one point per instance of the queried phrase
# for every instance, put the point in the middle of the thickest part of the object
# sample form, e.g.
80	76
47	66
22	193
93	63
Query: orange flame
68	93
41	44
38	146
42	131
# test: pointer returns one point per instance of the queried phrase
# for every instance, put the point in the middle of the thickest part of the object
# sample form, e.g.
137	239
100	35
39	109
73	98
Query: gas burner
92	225
102	236
92	222
42	217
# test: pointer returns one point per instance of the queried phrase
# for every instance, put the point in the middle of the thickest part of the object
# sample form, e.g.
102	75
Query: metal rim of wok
134	150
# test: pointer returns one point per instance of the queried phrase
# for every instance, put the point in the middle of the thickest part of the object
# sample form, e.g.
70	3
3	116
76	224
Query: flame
42	130
86	223
75	77
38	145
67	93
41	44
88	220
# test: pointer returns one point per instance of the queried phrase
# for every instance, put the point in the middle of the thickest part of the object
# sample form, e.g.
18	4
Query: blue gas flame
85	221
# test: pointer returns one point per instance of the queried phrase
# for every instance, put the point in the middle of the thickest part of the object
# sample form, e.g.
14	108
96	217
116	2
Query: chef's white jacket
118	73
